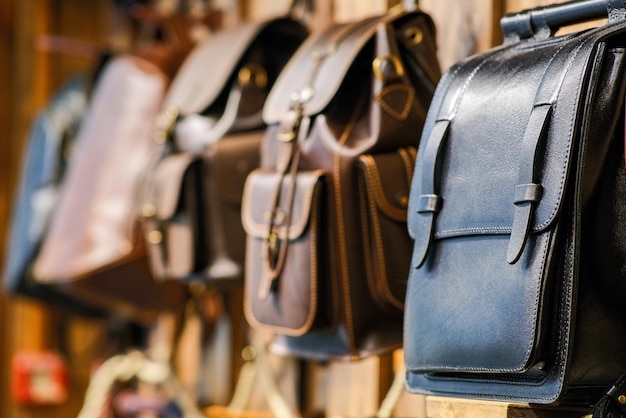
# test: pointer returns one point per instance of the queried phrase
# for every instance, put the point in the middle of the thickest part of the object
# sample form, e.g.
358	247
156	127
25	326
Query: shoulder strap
613	402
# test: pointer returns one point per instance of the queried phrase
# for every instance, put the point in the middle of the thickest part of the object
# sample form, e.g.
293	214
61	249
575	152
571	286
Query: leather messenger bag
518	277
211	136
325	215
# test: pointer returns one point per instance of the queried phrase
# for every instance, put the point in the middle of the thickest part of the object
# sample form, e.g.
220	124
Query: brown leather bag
212	131
325	215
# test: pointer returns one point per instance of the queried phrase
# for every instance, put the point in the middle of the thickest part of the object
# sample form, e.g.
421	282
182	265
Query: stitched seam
402	115
479	230
369	269
408	156
300	227
372	179
569	135
295	230
383	283
343	261
465	86
375	189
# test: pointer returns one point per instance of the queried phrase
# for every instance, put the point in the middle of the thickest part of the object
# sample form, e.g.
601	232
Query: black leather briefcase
517	289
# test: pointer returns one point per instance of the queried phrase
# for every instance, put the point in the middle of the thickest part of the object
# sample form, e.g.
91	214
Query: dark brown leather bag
211	132
325	214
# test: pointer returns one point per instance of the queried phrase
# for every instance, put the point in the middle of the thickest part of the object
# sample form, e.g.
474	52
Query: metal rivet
621	399
403	200
280	217
155	237
414	35
248	353
267	215
148	210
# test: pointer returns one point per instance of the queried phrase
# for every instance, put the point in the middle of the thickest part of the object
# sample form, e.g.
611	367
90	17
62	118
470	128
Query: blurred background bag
212	130
50	143
93	249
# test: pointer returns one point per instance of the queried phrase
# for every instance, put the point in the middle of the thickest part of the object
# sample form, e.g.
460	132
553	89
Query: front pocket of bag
297	299
384	184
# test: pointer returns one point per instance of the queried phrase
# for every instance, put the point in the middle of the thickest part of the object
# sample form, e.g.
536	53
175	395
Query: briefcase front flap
208	69
258	203
329	56
168	185
235	157
488	154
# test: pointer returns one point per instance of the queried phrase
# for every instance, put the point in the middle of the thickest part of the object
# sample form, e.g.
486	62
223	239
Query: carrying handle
547	20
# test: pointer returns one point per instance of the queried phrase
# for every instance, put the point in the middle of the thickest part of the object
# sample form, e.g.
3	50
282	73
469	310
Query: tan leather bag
93	249
325	215
212	131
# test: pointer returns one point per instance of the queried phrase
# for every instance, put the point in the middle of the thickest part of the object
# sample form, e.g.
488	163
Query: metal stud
155	237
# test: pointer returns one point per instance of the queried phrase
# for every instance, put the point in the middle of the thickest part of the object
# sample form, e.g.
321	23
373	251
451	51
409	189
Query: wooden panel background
28	77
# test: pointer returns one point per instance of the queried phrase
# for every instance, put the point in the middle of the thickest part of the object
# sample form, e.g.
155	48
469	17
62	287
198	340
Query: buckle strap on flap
527	194
537	127
276	243
429	201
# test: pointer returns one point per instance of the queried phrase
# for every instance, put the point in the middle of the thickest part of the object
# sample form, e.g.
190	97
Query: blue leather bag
49	144
518	277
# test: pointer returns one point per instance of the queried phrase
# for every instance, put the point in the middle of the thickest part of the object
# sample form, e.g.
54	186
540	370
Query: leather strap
429	202
527	193
613	402
275	246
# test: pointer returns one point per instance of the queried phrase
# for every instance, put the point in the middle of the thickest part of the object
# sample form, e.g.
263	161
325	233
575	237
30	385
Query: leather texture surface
351	90
516	154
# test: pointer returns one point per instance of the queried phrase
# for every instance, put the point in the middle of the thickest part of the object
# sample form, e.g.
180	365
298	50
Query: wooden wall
29	75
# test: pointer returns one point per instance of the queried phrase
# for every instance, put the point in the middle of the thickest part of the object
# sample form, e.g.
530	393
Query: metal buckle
378	63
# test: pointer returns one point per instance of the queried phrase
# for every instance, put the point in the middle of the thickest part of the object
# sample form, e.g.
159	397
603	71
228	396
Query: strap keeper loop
429	203
530	192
